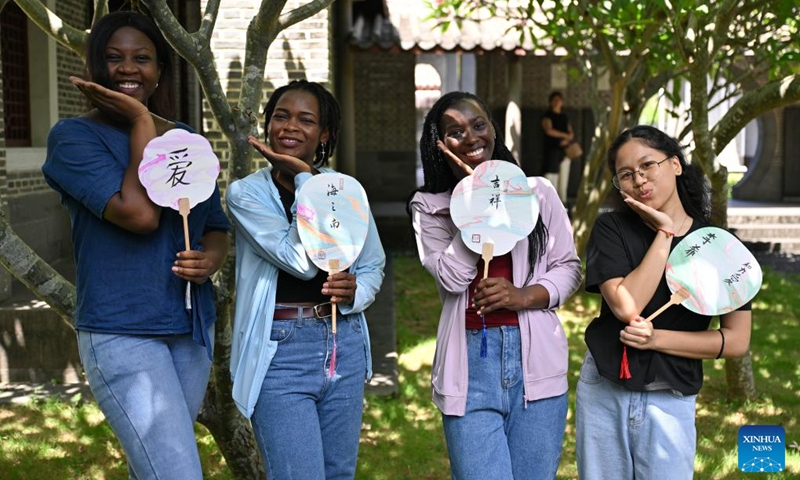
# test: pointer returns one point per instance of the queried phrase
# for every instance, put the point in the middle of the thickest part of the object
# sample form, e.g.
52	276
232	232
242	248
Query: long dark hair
439	178
693	188
330	117
162	102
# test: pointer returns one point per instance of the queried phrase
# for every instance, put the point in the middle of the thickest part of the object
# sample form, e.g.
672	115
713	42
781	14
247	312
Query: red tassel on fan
624	370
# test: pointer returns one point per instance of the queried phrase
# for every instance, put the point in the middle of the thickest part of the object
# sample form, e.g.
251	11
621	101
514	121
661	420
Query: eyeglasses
624	180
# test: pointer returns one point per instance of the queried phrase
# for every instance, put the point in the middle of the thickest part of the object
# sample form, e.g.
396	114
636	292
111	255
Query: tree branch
52	25
100	10
36	274
602	43
197	51
754	103
209	20
300	13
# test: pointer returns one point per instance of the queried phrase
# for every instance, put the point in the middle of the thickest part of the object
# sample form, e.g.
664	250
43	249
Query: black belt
322	310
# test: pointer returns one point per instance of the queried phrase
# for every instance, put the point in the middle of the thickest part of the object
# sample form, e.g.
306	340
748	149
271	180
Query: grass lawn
402	436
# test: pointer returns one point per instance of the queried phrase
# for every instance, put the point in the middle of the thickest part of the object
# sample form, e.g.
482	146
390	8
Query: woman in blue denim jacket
307	425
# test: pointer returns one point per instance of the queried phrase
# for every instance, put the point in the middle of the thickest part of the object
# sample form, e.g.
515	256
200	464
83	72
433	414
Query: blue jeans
150	388
307	425
626	435
500	437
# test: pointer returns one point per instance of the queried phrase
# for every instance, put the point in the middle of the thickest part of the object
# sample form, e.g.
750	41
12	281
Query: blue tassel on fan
484	348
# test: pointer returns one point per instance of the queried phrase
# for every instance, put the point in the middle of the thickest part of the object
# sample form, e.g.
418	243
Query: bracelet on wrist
667	232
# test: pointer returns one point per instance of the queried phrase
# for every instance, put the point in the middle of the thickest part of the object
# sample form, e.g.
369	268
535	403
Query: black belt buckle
316	308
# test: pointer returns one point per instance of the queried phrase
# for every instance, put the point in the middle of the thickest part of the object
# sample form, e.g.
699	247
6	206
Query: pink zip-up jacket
454	266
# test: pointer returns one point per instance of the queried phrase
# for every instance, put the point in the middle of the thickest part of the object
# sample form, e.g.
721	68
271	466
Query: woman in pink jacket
504	415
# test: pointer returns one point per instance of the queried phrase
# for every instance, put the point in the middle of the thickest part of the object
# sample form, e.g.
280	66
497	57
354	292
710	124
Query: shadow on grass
403	437
50	438
57	439
775	356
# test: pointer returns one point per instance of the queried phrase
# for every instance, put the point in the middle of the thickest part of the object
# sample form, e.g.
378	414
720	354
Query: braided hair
438	177
330	117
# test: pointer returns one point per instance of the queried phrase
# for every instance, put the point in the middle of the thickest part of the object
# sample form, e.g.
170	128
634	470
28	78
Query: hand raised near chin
649	215
115	103
284	163
459	165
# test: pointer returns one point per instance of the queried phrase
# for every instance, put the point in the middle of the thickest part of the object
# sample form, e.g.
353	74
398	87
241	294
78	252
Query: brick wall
5	277
385	123
302	51
492	79
2	140
34	209
70	101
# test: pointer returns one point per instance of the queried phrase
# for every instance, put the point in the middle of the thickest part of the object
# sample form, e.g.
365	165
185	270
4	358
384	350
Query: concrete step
767	230
777	219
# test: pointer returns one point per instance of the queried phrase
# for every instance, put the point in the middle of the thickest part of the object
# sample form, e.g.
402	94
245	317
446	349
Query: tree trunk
738	371
593	190
231	430
739	376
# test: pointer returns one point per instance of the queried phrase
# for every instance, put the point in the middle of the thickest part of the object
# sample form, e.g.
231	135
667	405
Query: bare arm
735	327
130	208
627	296
547	126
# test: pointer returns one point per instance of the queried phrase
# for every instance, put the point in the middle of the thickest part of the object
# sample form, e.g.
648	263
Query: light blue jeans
500	437
150	388
307	425
626	435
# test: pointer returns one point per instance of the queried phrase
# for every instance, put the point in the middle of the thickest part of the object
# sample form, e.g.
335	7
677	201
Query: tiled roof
404	24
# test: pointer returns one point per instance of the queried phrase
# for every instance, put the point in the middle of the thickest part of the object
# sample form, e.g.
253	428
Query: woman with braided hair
504	415
306	423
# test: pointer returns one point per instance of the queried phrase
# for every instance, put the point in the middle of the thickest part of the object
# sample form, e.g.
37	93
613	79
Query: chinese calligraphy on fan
495	199
333	192
179	165
732	278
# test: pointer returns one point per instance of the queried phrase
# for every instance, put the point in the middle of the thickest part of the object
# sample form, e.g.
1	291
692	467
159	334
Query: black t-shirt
553	152
618	243
560	122
291	289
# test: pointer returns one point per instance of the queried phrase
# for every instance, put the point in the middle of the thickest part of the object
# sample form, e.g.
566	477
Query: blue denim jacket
265	242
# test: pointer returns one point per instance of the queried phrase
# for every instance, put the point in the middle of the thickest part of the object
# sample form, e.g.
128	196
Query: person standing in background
557	135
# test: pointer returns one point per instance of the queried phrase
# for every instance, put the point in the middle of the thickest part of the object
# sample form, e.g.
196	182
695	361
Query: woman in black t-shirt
638	422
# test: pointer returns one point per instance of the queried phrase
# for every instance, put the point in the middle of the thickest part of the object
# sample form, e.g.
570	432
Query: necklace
680	229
